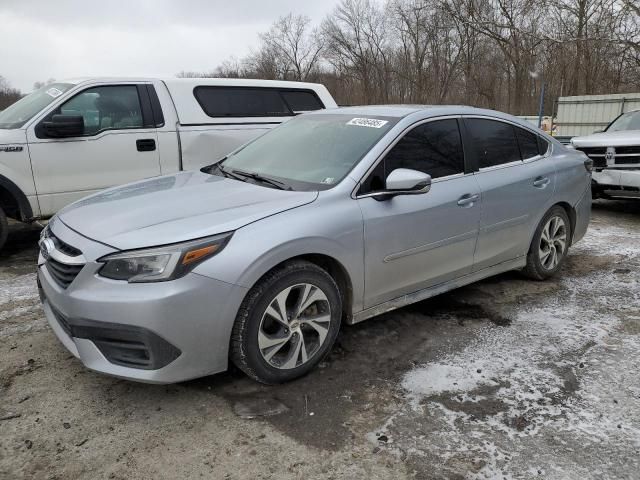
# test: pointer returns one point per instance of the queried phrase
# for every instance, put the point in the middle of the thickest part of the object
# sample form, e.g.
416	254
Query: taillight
588	164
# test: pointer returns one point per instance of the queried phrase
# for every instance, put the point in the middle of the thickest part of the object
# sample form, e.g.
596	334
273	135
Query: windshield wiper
256	176
228	174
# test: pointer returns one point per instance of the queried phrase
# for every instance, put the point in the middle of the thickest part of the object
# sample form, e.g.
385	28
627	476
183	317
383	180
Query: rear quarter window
543	145
528	142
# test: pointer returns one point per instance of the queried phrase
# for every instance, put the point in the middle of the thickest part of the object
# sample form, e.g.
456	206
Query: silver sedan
333	217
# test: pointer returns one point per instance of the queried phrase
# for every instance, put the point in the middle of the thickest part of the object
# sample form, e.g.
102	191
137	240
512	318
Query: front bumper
617	182
161	332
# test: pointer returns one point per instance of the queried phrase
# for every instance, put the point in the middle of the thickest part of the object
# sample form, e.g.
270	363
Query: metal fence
583	115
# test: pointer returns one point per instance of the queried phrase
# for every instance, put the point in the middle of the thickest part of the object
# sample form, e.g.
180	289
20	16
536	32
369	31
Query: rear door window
495	142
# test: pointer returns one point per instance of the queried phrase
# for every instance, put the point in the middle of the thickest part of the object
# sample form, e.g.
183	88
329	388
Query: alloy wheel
553	242
294	326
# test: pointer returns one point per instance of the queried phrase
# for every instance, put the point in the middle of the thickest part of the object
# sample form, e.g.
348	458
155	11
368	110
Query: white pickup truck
72	138
616	157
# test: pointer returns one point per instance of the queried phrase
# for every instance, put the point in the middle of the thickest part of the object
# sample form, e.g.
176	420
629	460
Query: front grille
597	154
593	150
63	246
628	160
62	273
628	150
623	155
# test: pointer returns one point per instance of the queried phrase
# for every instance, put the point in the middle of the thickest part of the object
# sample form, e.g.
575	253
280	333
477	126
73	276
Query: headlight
160	264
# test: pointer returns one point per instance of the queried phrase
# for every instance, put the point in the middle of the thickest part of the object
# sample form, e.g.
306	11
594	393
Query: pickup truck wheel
287	323
4	228
550	244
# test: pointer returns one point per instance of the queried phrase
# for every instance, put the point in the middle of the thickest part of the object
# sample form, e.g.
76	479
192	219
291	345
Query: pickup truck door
119	145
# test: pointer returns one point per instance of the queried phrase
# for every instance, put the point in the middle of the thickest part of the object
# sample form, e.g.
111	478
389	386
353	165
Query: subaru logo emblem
610	156
46	246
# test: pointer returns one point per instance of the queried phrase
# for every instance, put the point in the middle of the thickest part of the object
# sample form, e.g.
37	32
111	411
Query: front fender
311	229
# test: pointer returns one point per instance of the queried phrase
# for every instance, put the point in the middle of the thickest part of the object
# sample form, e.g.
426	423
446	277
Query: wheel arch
569	210
571	213
13	200
334	268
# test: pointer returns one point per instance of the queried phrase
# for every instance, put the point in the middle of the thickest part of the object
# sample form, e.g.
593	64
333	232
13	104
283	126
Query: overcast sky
41	39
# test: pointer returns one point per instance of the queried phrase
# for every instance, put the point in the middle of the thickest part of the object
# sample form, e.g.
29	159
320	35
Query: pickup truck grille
623	156
596	154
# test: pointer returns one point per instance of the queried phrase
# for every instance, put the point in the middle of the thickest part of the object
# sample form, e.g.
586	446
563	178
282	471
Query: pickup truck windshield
312	151
627	121
16	115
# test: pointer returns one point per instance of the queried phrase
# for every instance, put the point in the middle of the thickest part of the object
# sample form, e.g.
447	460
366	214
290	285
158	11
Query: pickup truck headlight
160	264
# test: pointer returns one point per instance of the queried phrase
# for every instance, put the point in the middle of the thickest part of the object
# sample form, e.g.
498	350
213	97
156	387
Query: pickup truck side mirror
62	126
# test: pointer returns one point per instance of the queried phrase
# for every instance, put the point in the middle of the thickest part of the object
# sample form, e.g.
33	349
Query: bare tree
8	94
357	45
40	84
477	52
294	46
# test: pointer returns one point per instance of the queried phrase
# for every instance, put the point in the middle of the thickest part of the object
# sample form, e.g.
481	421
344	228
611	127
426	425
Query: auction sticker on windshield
54	92
367	122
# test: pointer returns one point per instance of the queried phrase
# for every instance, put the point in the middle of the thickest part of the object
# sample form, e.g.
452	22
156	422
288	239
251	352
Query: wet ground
507	378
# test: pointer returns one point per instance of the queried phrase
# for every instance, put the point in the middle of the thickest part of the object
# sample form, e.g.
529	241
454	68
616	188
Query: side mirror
62	126
408	182
403	181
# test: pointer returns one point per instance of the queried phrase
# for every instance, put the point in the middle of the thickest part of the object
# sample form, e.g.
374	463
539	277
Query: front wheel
550	244
287	323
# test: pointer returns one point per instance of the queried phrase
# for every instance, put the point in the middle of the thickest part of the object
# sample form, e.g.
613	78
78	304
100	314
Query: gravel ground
507	378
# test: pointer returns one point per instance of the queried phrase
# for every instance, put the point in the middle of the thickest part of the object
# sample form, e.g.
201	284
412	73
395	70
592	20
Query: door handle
541	182
146	145
467	200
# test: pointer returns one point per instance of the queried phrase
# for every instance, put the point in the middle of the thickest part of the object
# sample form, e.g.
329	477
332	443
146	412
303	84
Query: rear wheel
287	323
550	244
4	228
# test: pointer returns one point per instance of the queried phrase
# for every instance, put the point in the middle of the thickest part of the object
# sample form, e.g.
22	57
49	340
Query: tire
550	244
4	228
274	349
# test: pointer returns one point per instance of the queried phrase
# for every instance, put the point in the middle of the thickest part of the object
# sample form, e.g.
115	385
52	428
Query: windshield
313	151
16	115
626	121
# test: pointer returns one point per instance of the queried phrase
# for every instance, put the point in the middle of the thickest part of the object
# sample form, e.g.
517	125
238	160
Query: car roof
400	111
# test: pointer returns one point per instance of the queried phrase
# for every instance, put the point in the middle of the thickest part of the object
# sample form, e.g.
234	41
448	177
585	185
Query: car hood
608	139
175	208
14	136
